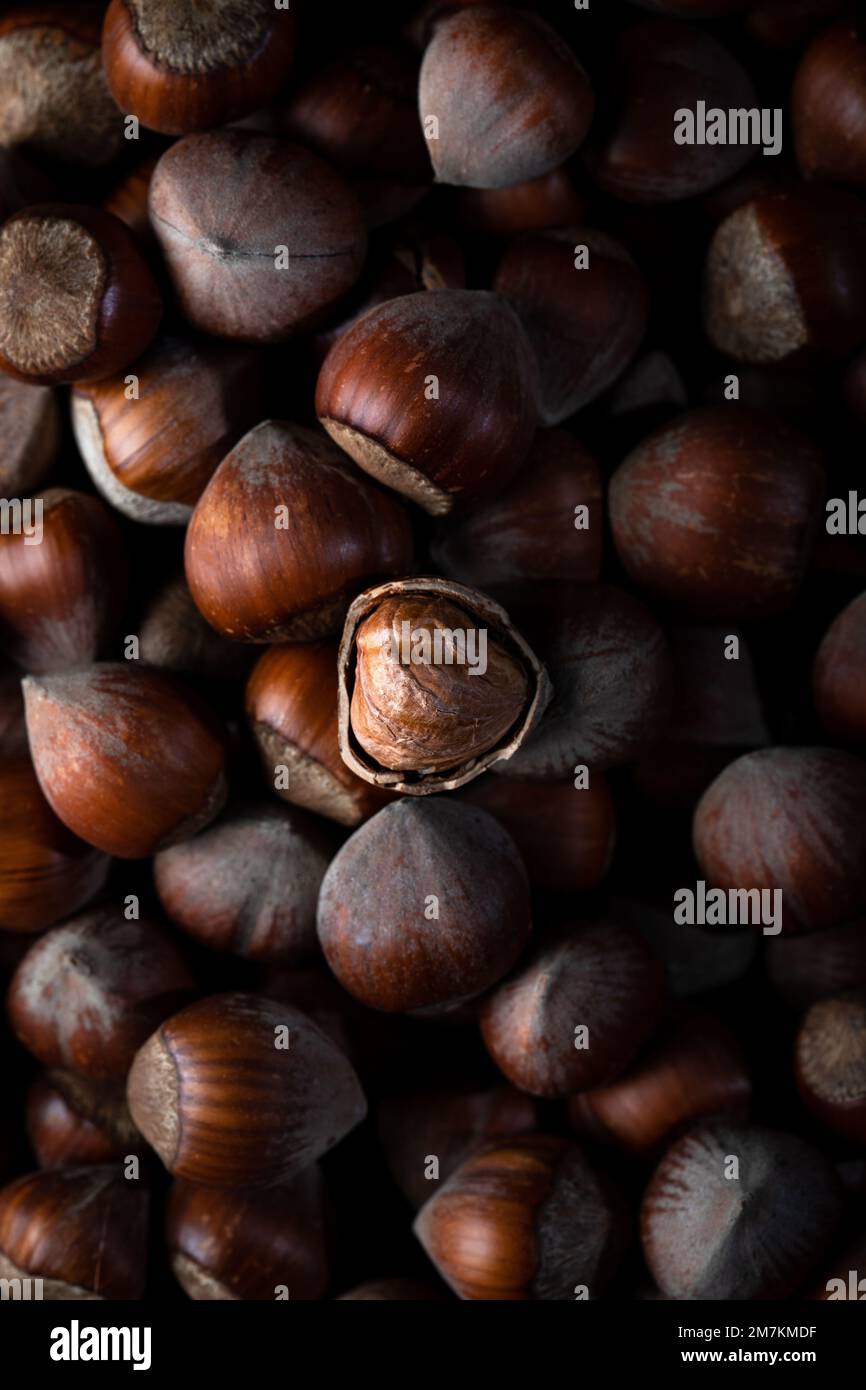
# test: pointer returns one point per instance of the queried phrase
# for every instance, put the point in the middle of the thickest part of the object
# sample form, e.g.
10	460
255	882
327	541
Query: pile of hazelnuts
429	544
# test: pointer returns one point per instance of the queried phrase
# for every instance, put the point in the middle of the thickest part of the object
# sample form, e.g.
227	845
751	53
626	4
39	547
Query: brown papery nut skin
224	1106
61	600
828	107
128	759
30	427
291	704
839	673
233	1243
603	978
611	670
414	718
72	1121
511	99
179	66
530	530
45	871
717	512
249	883
223	203
77	298
806	968
785	279
257	581
661	67
525	1219
693	1069
416	857
153	455
585	325
89	993
444	451
565	833
450	1124
83	1231
830	1063
792	819
360	112
56	101
422	715
708	1236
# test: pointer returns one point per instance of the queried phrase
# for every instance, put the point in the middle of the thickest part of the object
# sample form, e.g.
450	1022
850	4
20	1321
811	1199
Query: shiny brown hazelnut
713	1230
237	1243
585	321
77	299
260	237
89	993
128	759
360	112
82	1231
551	200
575	1015
291	704
30	426
447	1125
240	1091
502	98
611	670
792	819
785	280
315	531
56	102
839	673
426	905
565	833
248	883
45	871
152	450
434	394
61	598
828	106
693	1069
72	1120
527	1218
661	67
830	1062
546	524
717	512
181	66
435	685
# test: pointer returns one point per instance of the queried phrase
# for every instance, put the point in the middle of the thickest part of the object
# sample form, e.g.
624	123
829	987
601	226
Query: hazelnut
72	1120
435	684
551	200
151	455
127	759
181	66
509	98
828	106
89	993
174	636
575	1015
717	512
426	905
30	425
434	394
528	1218
257	578
60	600
838	674
77	300
291	703
224	1105
260	237
806	968
249	883
830	1062
768	822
